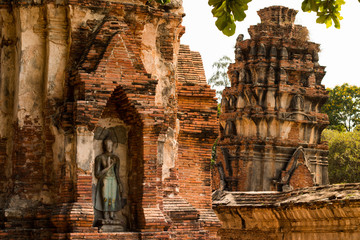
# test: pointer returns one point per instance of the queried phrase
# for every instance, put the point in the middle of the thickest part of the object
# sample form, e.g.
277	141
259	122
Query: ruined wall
270	140
197	114
75	72
328	212
270	122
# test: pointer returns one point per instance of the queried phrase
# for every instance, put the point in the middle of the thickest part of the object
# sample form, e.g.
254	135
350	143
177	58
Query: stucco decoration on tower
272	108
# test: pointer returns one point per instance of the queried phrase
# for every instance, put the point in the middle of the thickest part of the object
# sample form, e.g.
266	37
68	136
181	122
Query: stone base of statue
109	225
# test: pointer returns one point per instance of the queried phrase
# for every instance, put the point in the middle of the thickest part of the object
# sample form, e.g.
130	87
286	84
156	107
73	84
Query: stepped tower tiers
271	122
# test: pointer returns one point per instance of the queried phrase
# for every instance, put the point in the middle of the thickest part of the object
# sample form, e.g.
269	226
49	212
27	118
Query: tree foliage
163	1
343	107
328	11
219	80
344	156
229	11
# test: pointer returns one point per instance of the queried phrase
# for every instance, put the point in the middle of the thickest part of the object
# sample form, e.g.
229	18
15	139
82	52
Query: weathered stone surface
271	109
270	155
76	72
327	212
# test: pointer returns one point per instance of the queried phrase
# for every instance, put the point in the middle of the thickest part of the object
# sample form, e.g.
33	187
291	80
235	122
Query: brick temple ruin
271	173
271	124
107	126
77	74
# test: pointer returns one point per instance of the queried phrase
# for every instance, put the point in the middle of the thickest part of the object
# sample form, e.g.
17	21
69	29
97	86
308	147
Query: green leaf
220	11
328	21
304	5
308	7
321	19
336	21
229	30
238	14
238	10
340	2
314	6
221	22
163	1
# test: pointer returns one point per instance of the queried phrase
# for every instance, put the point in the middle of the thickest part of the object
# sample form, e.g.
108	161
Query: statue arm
99	173
117	167
97	167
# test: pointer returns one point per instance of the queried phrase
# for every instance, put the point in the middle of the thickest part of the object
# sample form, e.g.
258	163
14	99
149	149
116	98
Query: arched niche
121	123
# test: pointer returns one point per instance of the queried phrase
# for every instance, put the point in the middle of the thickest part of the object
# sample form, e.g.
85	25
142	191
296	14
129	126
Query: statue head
108	145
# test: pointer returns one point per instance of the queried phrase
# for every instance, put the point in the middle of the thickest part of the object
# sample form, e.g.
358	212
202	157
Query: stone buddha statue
108	198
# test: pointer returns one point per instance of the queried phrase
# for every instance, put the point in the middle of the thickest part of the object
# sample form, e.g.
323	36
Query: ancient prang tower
106	123
271	123
270	155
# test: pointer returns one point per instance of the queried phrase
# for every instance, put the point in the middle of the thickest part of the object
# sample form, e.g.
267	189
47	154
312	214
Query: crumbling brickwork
326	212
197	113
270	125
71	72
270	155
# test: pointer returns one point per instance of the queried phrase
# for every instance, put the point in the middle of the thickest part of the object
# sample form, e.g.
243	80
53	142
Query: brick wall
326	212
197	112
106	77
272	107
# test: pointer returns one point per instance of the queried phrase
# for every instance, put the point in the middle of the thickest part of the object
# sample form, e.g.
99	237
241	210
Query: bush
344	156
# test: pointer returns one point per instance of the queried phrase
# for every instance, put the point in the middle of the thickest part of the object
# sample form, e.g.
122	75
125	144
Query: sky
340	48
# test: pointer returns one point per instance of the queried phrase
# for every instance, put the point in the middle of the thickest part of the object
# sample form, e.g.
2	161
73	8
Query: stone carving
312	80
297	103
295	115
232	102
308	58
284	53
283	76
238	52
240	38
271	76
252	52
242	75
261	74
279	94
304	80
262	50
225	103
273	52
108	197
240	103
